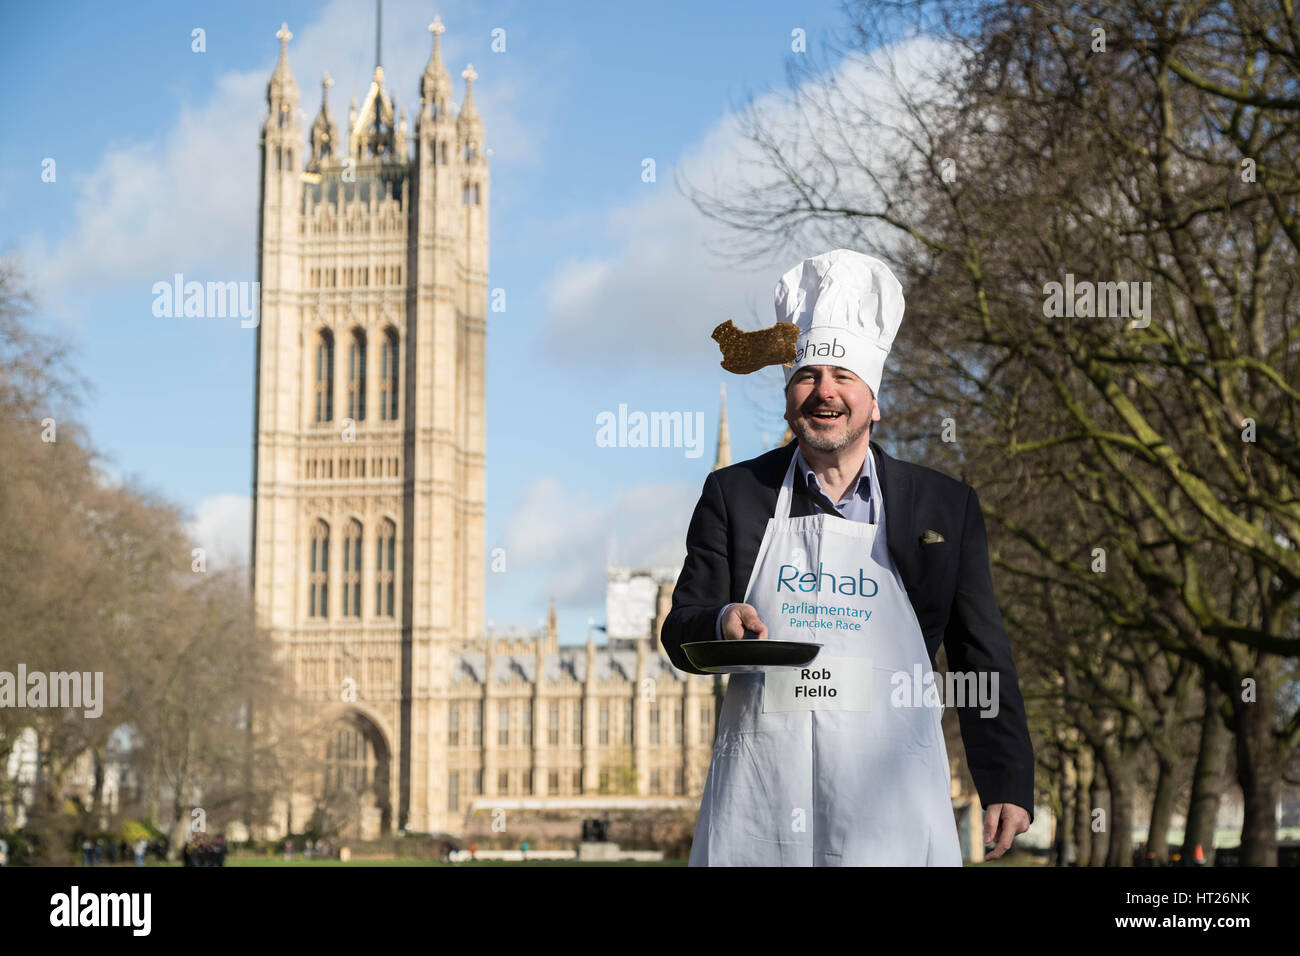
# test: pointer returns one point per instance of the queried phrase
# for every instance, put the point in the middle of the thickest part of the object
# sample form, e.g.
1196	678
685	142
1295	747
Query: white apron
800	774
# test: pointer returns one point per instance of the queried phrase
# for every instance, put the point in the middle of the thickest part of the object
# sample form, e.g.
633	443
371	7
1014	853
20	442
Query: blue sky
611	292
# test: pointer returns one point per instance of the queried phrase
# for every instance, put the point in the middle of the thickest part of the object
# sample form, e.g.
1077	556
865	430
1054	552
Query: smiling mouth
826	416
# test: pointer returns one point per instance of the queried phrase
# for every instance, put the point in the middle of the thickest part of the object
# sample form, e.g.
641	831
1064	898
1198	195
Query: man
830	540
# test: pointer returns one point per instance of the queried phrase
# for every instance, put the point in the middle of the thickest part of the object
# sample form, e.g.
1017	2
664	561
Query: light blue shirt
858	504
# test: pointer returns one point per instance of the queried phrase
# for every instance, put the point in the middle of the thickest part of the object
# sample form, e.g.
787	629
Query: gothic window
318	581
388	377
654	725
470	150
627	721
385	552
526	733
453	726
453	792
604	723
503	724
357	377
349	761
324	388
352	569
577	723
477	732
442	153
503	782
553	727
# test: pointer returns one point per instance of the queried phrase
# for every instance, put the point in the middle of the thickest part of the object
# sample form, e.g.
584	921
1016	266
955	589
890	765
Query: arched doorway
353	796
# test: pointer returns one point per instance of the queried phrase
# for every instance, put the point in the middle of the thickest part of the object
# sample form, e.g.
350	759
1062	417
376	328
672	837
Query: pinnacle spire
468	125
435	85
324	131
470	76
283	86
724	436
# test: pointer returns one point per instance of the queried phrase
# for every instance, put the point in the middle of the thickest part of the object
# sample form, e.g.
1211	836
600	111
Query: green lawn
297	861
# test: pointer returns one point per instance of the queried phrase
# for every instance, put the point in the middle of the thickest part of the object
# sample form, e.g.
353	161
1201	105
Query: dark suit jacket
948	582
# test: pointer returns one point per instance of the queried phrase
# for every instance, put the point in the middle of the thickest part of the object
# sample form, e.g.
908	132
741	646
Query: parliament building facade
369	489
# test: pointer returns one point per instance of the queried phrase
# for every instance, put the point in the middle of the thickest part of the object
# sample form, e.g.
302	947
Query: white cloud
656	296
187	202
221	526
570	536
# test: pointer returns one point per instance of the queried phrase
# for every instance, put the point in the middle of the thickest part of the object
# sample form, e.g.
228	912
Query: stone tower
368	530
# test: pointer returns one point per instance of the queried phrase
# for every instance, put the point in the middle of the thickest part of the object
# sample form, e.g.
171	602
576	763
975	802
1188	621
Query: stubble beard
825	444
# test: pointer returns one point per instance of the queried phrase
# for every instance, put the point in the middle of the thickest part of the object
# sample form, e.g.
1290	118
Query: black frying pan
749	655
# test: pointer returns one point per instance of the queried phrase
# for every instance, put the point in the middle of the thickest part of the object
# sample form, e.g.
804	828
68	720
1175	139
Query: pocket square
931	537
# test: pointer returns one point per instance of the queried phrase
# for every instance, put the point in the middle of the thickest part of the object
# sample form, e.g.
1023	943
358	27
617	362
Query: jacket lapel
801	502
896	489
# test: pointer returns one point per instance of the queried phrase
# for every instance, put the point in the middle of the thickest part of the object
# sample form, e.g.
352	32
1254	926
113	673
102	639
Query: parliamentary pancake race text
917	688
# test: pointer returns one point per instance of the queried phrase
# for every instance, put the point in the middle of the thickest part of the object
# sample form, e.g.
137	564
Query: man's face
828	407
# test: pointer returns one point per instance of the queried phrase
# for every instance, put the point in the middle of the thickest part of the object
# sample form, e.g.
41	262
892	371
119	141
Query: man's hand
740	619
1004	820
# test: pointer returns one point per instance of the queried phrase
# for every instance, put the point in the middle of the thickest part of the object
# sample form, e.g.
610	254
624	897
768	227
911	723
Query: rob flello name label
829	683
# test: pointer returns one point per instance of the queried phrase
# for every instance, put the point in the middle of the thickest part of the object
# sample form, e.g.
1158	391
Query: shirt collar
862	487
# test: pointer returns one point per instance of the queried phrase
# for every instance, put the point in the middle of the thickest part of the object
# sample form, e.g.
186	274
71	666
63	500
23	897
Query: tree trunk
97	791
1083	808
1258	765
1119	776
1099	799
155	787
1162	809
1065	849
1207	778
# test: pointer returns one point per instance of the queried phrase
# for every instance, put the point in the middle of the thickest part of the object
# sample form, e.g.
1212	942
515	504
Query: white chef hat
848	307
